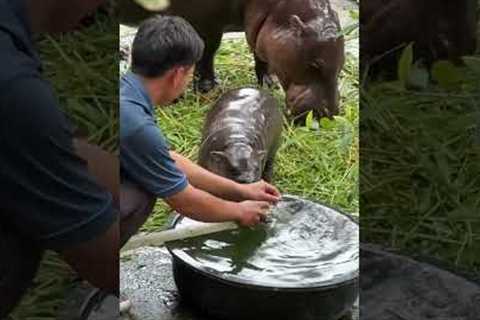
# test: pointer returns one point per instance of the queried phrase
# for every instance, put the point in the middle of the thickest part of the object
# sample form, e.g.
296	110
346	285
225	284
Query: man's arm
223	187
200	205
208	181
147	161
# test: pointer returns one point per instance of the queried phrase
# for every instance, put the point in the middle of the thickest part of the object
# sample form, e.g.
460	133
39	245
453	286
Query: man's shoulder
18	56
133	117
134	109
29	104
131	89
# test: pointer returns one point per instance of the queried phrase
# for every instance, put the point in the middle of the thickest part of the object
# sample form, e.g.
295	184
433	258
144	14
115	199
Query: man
164	52
49	200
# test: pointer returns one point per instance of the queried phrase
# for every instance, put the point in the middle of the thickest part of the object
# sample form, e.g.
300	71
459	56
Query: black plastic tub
403	285
223	298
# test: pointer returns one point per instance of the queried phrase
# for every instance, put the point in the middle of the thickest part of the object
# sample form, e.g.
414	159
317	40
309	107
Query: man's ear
180	75
177	76
169	76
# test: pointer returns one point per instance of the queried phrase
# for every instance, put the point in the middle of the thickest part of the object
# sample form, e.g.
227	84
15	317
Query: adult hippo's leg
261	70
205	69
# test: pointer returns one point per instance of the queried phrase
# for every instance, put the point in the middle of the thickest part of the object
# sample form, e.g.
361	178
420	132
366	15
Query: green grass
46	296
83	68
420	160
321	165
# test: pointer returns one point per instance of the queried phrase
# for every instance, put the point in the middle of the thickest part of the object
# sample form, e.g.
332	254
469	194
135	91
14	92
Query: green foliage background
420	160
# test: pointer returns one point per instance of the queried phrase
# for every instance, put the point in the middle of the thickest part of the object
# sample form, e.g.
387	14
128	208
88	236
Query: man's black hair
163	42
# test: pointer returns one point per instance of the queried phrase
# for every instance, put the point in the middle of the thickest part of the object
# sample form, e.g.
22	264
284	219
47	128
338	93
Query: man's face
63	15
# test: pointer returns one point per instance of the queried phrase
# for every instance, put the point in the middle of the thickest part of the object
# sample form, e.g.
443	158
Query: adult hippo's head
305	50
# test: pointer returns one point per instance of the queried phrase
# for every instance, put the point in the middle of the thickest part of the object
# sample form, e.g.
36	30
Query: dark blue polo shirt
144	151
46	192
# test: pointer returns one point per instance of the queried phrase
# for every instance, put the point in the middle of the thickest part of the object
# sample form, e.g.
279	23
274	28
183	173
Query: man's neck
157	97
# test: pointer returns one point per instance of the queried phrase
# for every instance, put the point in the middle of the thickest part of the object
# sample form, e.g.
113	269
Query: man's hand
260	191
251	213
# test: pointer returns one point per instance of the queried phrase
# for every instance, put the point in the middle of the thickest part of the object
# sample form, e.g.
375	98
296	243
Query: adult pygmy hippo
297	40
241	135
440	29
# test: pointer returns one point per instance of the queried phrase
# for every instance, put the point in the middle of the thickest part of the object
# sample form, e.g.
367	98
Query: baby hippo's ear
218	155
261	154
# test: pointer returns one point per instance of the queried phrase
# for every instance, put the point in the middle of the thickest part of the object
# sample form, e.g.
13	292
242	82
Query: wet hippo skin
297	40
440	29
241	135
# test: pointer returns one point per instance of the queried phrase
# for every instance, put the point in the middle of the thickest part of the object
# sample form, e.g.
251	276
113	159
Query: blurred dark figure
443	29
419	156
56	192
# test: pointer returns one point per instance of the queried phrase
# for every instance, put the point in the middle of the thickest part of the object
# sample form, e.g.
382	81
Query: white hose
157	239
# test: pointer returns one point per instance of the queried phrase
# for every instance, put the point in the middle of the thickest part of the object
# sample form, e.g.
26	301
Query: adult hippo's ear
297	25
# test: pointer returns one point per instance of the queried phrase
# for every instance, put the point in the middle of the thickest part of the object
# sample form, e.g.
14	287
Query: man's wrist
240	191
233	212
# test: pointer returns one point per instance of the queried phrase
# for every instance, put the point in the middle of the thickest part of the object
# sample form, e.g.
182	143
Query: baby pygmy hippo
241	135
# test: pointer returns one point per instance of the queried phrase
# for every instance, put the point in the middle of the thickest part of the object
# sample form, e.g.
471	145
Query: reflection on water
303	245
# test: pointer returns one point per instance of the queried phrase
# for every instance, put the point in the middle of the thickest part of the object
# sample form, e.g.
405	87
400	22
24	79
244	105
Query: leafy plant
83	68
447	75
405	65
